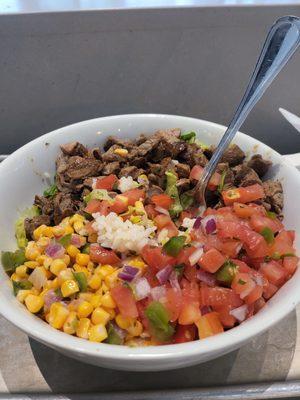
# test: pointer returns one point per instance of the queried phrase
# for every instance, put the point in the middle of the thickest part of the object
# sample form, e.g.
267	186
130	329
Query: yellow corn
112	279
21	271
64	275
95	282
48	232
135	329
104	270
95	300
97	333
79	268
72	251
111	312
76	218
69	287
15	277
108	301
84	309
32	252
43	242
136	262
31	264
71	323
90	266
55	283
104	288
58	315
66	259
135	219
58	230
57	265
86	296
68	230
65	222
83	328
78	225
47	262
22	294
121	152
39	231
34	303
82	259
139	207
123	322
100	316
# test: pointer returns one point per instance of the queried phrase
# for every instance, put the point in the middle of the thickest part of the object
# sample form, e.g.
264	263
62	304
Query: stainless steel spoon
281	43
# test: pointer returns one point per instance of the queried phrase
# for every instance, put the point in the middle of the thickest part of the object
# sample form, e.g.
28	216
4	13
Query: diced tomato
246	210
254	295
231	248
196	172
89	227
190	272
274	272
103	256
173	303
190	311
243	267
141	307
218	296
259	222
150	275
99	206
183	256
163	221
212	260
261	250
213	183
292	235
290	264
198	236
107	182
185	214
243	194
162	200
269	291
282	244
259	304
213	242
156	258
151	212
134	195
185	333
124	299
120	204
226	318
243	284
209	325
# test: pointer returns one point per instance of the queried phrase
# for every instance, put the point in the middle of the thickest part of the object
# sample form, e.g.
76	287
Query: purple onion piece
55	250
173	279
206	277
163	274
128	273
197	223
211	226
128	269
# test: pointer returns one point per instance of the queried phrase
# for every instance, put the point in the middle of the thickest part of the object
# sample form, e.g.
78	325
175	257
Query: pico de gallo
117	251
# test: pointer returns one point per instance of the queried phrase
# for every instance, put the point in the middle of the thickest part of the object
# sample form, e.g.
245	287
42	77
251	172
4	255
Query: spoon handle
281	43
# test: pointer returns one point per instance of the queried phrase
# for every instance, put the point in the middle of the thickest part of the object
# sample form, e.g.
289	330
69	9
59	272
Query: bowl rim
230	339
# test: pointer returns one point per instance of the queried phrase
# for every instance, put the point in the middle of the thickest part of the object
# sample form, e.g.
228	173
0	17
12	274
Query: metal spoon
281	43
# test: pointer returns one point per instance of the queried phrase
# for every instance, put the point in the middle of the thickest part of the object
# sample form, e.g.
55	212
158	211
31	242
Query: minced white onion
38	278
195	257
239	313
158	292
142	288
162	210
247	291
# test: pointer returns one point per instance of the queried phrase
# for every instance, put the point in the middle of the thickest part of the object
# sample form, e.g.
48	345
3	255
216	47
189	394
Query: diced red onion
142	288
158	292
206	277
121	332
55	250
76	240
240	313
173	279
195	256
50	298
205	310
248	290
163	274
162	210
128	273
38	278
197	223
209	224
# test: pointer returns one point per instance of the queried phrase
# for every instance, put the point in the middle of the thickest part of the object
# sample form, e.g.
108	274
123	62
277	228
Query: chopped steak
45	204
132	171
111	168
183	185
193	155
274	195
259	165
182	170
64	206
245	176
31	224
74	149
229	176
117	142
233	155
81	168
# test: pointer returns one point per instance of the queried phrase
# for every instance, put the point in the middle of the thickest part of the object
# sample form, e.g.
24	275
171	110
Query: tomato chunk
107	182
134	195
174	303
212	260
218	296
120	204
274	272
243	194
162	200
125	301
259	222
247	210
101	255
290	264
209	325
226	318
99	206
185	333
156	258
214	181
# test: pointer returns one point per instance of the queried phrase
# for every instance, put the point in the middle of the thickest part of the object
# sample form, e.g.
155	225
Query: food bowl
25	172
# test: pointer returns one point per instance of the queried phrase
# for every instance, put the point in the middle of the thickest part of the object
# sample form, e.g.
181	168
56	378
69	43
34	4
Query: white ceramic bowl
22	176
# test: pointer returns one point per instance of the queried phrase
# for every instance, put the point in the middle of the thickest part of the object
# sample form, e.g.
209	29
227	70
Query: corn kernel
139	208
31	264
57	265
68	230
104	270
66	259
111	312
95	282
135	329
83	328
72	251
71	323
65	222
34	303
123	322
135	219
86	296
84	309
64	275
121	152
112	279
100	316
39	231
95	300
48	232
104	288
55	284
97	333
32	252
58	315
78	225
22	294
76	218
21	271
47	262
43	242
15	277
69	287
47	318
40	259
58	230
136	262
82	259
108	301
90	266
